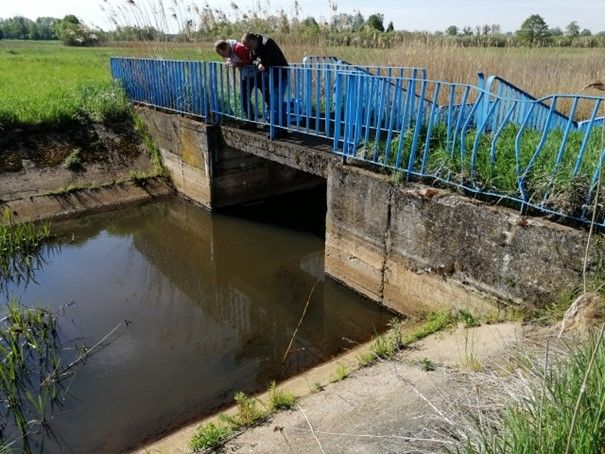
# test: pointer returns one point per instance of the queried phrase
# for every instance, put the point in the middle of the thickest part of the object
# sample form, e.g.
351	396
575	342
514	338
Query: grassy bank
46	84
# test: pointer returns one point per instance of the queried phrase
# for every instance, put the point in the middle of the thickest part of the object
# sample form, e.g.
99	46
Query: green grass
20	243
46	84
209	436
427	364
73	161
541	421
557	185
212	435
280	399
435	322
342	372
386	345
29	371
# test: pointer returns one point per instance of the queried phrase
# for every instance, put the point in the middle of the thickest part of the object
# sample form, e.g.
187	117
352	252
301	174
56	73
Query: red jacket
240	56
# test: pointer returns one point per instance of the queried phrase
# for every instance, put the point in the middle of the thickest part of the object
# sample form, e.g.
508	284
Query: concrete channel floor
390	407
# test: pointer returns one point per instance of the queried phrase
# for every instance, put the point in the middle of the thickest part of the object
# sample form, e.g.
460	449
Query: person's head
250	40
222	48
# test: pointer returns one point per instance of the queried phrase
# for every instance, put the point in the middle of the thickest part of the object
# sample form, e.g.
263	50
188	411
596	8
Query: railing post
272	96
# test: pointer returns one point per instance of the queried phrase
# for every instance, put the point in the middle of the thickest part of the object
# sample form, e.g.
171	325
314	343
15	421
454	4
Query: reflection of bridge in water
236	271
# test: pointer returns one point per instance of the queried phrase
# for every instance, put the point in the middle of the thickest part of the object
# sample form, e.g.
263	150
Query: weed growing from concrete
152	148
248	411
342	372
209	436
318	386
435	322
427	365
280	399
212	435
140	178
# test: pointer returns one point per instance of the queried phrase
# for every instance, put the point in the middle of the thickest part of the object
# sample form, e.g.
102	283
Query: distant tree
478	30
533	31
601	33
496	29
46	28
585	32
452	30
486	29
358	22
467	31
18	27
74	33
555	31
376	22
390	27
572	29
342	22
310	25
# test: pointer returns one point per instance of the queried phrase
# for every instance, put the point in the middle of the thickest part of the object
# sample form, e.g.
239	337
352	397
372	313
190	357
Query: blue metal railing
491	139
178	86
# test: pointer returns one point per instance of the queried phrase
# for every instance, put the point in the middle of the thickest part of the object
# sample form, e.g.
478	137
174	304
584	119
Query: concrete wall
415	248
207	170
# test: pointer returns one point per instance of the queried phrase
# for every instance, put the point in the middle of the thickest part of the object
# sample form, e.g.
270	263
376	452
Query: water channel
213	300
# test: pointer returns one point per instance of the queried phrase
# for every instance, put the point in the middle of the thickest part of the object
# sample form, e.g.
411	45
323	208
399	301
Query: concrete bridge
410	247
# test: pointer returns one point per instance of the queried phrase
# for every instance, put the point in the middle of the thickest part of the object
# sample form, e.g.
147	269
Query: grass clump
436	321
468	319
73	161
209	436
248	411
280	399
427	365
20	245
561	411
342	372
29	381
140	178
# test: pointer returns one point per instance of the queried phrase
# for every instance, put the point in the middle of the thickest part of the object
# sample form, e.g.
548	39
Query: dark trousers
261	82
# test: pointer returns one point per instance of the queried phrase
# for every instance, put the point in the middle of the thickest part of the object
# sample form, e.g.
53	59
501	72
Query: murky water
213	301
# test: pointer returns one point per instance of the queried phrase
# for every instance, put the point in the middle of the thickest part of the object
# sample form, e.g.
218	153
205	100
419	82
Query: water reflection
213	301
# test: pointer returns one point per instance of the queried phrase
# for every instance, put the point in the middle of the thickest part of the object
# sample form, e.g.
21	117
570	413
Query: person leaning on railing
267	56
237	55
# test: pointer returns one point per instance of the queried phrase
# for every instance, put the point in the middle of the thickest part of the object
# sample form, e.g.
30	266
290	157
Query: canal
212	301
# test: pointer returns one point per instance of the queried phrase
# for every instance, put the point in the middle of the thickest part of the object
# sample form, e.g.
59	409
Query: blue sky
405	14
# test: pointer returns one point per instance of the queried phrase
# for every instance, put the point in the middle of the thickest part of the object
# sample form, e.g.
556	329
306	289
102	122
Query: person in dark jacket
268	57
237	55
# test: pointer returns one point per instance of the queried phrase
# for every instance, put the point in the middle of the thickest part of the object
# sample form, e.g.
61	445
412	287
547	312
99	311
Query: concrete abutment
410	247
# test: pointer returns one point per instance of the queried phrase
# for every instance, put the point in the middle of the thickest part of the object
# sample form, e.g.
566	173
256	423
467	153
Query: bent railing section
490	139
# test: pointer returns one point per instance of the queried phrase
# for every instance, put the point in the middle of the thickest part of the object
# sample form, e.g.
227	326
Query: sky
406	14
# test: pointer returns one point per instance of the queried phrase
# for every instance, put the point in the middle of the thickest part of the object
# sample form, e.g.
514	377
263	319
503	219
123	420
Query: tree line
341	29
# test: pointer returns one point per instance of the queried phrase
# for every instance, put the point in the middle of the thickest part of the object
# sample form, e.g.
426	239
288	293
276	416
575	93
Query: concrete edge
53	207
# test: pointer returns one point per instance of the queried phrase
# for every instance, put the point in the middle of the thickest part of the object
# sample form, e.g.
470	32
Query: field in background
46	83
